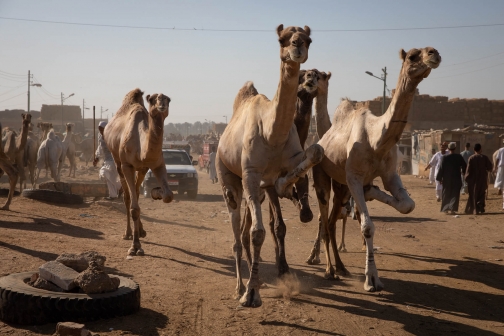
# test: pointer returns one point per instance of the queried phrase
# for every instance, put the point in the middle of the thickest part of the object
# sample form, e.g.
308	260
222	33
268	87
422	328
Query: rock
93	280
46	285
71	329
80	262
58	274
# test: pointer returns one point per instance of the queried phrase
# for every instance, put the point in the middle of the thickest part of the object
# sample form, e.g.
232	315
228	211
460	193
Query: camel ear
148	98
279	29
22	115
402	55
307	30
329	75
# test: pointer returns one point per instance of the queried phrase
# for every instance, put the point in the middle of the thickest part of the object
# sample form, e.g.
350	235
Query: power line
10	74
13	97
17	87
247	30
476	59
12	79
464	73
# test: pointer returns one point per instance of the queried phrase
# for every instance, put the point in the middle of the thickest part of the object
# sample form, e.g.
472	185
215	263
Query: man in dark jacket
452	165
476	177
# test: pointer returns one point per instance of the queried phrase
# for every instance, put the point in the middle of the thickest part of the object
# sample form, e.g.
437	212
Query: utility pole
384	87
101	112
29	80
226	119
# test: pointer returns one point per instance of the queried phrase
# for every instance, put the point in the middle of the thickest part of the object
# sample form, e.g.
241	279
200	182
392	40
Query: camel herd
261	153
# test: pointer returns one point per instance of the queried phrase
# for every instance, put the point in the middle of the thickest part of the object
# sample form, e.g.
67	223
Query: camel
85	146
49	156
134	137
69	149
30	155
360	146
259	152
14	145
8	168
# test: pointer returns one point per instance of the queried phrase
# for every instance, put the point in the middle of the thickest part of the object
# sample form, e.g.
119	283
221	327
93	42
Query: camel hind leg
140	175
126	199
134	209
232	190
12	173
279	231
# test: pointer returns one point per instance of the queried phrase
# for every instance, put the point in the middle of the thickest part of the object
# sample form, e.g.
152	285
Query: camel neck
302	118
68	136
154	134
278	125
322	119
393	122
21	140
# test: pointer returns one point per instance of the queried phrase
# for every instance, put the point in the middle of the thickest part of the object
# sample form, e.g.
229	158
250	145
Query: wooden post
94	134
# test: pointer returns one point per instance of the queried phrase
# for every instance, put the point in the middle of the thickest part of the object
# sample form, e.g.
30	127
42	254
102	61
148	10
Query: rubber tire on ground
52	196
5	192
192	194
23	304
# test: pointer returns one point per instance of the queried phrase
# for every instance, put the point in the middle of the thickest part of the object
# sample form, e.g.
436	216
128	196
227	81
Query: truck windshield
176	158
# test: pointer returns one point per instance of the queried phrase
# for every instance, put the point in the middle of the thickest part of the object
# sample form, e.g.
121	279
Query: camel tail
248	90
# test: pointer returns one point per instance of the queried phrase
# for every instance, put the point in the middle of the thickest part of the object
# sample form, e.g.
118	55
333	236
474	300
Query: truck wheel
192	194
24	304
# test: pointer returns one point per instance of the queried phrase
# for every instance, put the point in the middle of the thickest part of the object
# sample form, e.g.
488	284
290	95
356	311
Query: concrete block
71	329
58	274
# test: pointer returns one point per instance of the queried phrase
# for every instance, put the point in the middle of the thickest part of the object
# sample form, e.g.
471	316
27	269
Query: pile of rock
75	273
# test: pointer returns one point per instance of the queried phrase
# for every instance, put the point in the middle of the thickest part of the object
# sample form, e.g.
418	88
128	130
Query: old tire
51	196
5	192
22	304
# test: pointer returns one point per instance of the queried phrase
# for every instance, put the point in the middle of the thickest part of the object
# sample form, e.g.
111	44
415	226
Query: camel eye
412	57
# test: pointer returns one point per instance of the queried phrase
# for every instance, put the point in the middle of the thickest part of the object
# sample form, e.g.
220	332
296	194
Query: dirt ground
442	274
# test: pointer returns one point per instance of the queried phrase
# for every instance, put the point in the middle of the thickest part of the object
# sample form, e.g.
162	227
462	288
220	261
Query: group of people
467	172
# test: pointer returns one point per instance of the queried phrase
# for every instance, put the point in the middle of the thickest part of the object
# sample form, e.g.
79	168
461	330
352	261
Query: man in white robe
434	163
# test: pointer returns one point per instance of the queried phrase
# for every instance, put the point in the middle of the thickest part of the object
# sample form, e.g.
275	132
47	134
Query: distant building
13	119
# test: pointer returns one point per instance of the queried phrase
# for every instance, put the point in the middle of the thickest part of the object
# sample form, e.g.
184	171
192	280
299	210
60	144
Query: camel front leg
232	190
279	231
341	247
313	156
129	175
355	184
333	218
400	200
140	175
301	198
164	192
126	199
314	258
251	182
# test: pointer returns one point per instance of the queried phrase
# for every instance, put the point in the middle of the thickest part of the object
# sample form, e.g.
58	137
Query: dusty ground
449	278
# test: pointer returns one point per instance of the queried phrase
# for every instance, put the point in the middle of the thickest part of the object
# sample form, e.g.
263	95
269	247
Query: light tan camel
30	155
44	128
259	152
49	156
8	168
360	146
14	145
134	136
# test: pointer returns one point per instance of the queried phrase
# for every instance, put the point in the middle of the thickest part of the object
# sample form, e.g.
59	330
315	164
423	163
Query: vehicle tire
5	192
192	194
145	192
26	305
52	196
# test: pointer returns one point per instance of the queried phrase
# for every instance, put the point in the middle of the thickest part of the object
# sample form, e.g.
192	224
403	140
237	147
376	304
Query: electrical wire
17	87
465	73
473	60
247	30
10	74
12	79
13	97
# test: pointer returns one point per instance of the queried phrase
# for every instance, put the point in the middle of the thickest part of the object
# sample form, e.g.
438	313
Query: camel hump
343	110
134	96
248	90
51	135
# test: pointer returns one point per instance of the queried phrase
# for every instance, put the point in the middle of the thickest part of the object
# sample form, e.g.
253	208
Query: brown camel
8	168
259	152
69	149
134	136
14	145
359	147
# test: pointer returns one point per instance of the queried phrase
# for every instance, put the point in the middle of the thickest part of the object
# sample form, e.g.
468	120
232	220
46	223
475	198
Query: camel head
158	103
294	43
69	127
418	63
26	119
308	80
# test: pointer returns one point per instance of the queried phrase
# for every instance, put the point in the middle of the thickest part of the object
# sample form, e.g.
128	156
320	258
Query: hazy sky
202	71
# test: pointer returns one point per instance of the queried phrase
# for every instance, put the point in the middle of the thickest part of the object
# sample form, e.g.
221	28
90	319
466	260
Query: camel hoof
342	249
143	233
251	299
127	237
140	252
363	248
313	261
342	271
131	251
306	215
373	284
239	292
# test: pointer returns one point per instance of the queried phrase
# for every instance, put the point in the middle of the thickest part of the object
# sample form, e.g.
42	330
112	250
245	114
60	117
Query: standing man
466	155
432	173
434	163
108	171
211	166
499	169
476	176
450	169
